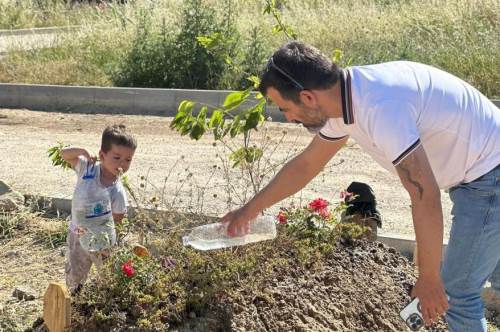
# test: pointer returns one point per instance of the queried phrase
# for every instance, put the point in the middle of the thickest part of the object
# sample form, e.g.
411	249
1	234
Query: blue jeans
473	253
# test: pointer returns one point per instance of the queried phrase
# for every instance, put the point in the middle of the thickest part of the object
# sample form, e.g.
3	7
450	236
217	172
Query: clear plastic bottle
214	236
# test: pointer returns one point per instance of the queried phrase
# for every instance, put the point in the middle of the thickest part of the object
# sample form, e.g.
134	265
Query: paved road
27	39
26	136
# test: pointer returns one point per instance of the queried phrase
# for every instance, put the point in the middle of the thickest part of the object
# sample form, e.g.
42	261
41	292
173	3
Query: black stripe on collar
345	89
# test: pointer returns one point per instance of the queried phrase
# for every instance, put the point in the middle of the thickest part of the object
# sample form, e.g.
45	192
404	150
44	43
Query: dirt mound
281	285
357	288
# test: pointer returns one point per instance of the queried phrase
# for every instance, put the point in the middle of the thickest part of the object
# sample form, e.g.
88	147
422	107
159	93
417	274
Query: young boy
99	201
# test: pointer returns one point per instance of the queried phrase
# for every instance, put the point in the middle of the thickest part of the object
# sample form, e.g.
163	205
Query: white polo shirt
392	108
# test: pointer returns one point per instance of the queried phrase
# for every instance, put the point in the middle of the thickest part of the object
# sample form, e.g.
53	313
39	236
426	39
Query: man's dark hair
297	66
118	135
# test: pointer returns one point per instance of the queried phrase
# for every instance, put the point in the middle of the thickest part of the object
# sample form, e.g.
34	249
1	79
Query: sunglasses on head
271	64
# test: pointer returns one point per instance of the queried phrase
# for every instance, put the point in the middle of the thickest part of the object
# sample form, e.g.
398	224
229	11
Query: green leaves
56	157
254	118
235	99
228	119
336	56
273	8
255	80
214	40
246	156
216	119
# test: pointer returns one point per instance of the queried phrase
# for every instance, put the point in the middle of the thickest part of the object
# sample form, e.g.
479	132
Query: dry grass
460	36
28	260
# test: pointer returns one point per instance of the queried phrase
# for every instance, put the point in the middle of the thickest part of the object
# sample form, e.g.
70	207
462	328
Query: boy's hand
80	230
90	158
71	155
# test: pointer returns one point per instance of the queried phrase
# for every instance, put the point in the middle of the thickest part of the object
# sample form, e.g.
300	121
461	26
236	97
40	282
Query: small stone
192	314
11	254
9	200
24	293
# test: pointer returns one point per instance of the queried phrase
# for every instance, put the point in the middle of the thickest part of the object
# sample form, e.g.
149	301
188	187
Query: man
430	128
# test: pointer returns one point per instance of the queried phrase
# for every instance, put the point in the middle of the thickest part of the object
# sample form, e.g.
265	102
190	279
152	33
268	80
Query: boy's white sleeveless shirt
117	194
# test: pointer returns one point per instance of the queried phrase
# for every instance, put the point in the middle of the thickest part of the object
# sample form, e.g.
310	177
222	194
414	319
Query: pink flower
318	204
168	263
324	213
128	269
345	196
282	218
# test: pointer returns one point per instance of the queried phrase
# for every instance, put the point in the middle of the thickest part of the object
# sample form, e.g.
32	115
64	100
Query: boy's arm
71	155
117	217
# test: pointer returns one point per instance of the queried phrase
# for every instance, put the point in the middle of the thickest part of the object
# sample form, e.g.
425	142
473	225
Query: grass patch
52	13
458	36
11	222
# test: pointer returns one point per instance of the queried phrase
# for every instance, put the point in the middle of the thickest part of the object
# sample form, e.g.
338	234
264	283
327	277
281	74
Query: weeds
52	234
161	291
10	222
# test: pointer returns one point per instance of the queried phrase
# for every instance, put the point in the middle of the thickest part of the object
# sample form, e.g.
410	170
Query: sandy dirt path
186	173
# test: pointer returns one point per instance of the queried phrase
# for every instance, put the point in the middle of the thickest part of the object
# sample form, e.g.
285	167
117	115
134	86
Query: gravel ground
188	174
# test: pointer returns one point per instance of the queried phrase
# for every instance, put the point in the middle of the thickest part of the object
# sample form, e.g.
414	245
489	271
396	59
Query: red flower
345	196
282	218
318	204
128	269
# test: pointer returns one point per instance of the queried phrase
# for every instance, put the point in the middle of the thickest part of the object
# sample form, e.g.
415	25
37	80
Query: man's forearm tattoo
408	177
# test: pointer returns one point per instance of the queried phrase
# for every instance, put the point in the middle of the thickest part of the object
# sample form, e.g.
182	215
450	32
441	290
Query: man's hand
238	221
289	180
432	296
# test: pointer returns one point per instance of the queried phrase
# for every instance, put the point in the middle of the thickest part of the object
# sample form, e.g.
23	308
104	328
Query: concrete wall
77	99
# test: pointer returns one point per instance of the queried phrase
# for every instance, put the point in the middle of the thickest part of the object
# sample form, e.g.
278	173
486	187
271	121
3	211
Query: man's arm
417	177
290	179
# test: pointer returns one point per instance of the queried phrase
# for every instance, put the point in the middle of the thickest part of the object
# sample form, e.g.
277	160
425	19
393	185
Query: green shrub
160	59
459	36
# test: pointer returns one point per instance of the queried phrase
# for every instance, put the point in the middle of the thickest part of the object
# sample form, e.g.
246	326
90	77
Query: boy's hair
296	66
117	134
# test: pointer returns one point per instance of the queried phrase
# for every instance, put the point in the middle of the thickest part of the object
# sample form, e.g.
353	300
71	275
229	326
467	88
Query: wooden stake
57	308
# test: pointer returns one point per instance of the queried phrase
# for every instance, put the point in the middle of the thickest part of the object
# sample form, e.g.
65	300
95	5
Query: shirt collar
345	88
